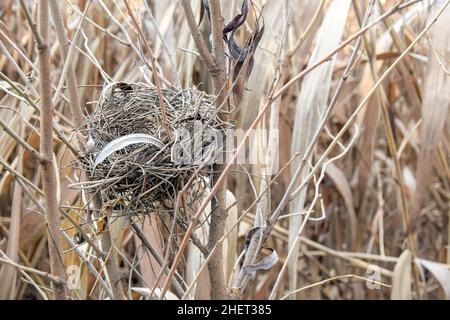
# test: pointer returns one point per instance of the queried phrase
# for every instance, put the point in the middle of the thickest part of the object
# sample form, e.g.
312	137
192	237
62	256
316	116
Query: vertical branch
8	275
46	148
108	249
218	203
215	63
74	100
110	260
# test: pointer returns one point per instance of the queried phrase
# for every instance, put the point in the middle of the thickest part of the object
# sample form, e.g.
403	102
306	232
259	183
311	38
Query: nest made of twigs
144	175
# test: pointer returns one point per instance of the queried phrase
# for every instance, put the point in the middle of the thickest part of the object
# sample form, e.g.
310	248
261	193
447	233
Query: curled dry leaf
238	20
122	142
240	54
204	7
440	272
265	264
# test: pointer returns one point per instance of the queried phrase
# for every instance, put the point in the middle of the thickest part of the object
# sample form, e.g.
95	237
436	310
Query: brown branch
74	100
47	159
216	66
218	204
108	248
197	36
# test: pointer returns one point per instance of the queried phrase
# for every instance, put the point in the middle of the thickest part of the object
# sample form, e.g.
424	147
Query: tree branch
216	66
47	159
197	36
218	203
74	100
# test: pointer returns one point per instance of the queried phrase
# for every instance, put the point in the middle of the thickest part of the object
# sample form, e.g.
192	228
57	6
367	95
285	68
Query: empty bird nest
132	155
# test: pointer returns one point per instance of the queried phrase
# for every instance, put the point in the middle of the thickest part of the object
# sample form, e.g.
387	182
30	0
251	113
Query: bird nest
132	155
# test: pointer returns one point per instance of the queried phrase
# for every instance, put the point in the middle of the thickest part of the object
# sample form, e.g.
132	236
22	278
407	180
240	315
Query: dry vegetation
349	198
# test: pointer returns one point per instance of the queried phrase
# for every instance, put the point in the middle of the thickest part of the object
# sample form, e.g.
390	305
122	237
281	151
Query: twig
197	36
264	109
46	275
308	28
18	175
89	265
332	279
19	140
163	43
57	131
300	76
309	211
393	150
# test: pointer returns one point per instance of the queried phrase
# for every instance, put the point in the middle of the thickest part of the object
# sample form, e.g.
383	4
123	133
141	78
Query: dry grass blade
402	277
440	272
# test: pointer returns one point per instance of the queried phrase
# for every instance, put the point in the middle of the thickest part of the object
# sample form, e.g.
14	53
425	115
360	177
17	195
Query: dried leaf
122	142
440	272
102	224
204	7
344	188
237	20
238	53
265	264
401	279
257	38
